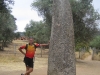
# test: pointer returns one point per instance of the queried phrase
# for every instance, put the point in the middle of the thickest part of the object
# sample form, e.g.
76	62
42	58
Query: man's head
31	41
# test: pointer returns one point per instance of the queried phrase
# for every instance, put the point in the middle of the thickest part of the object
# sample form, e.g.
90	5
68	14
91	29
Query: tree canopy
7	22
84	18
38	30
95	42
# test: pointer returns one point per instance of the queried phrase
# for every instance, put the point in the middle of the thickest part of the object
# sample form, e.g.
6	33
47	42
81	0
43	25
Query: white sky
96	4
24	13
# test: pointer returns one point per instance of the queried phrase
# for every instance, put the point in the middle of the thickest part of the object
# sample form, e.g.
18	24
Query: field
11	62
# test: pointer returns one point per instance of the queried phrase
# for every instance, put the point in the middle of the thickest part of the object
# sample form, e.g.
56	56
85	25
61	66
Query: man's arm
44	44
39	45
20	49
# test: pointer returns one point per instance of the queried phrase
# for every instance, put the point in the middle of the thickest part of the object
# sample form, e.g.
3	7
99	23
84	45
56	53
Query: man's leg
29	66
29	70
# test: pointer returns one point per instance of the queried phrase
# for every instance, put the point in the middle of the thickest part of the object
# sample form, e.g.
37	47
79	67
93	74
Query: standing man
29	55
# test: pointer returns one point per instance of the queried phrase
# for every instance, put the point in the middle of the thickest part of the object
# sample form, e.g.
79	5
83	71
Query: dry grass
96	57
77	55
8	56
9	59
85	55
13	65
20	41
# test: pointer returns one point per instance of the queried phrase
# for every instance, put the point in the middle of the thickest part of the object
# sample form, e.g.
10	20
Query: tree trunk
6	42
61	59
2	47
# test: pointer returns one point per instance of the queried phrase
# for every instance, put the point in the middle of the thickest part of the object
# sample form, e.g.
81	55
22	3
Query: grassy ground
12	64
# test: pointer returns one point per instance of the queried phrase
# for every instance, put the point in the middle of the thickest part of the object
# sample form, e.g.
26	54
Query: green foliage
80	45
95	42
44	8
7	25
17	35
84	18
4	6
37	30
7	22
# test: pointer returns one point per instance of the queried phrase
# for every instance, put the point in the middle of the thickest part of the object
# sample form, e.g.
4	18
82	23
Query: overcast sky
24	13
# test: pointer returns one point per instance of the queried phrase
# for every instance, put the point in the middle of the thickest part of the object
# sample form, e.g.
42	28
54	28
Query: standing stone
61	59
